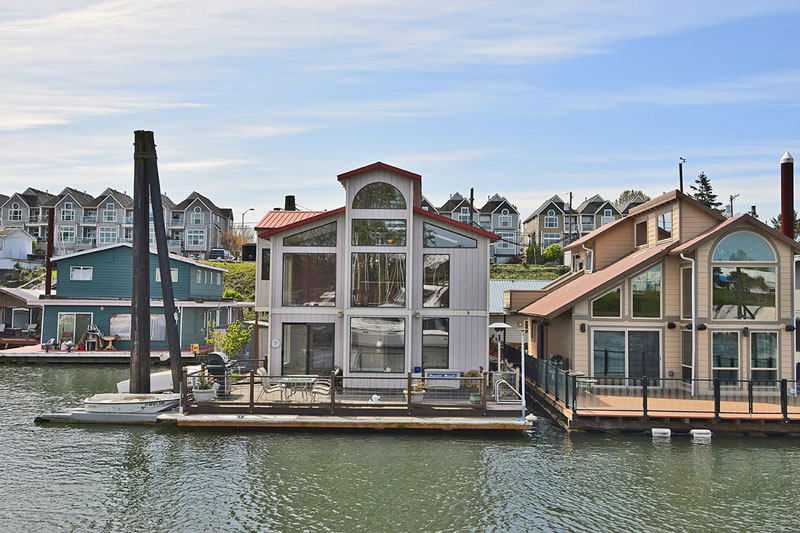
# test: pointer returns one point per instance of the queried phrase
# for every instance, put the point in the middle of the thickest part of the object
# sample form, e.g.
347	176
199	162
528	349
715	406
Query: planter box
205	395
416	397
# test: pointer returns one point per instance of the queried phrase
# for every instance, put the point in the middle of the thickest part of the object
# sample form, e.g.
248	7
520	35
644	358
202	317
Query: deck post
252	390
140	283
546	378
484	380
785	400
408	394
555	375
574	395
333	391
644	397
750	396
185	390
717	399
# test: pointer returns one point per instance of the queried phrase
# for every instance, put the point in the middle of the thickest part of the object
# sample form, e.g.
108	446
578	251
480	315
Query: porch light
790	327
746	332
671	325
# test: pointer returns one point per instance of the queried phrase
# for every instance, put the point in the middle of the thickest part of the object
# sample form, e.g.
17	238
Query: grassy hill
240	279
526	271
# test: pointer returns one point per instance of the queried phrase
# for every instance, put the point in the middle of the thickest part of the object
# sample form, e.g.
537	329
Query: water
127	478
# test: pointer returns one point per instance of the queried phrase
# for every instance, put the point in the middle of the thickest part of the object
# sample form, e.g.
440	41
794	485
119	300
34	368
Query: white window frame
68	212
79	273
15	213
502	244
504	221
671	225
110	213
61	234
627	369
550	237
198	217
198	276
111	235
200	235
219	278
173	273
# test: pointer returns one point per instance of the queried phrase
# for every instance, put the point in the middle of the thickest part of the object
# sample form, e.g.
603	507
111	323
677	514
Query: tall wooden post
51	239
173	341
144	149
256	351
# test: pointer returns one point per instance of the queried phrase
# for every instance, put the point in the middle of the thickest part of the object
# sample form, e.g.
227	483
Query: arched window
15	213
743	246
379	195
744	278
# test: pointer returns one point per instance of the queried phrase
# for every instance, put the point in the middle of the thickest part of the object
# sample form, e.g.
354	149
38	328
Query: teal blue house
94	287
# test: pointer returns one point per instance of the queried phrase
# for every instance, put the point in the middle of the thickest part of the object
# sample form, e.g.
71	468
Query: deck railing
645	396
332	394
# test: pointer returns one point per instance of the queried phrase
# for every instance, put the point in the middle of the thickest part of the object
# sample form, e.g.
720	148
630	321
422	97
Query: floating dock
35	355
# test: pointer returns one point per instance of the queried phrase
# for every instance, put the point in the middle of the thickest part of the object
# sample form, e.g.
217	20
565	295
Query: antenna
733	197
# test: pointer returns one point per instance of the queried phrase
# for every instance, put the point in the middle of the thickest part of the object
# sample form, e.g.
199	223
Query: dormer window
110	213
641	233
68	213
198	217
504	220
15	213
664	224
607	218
464	216
551	221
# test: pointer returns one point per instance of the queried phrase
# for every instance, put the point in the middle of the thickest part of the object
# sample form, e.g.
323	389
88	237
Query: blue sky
250	101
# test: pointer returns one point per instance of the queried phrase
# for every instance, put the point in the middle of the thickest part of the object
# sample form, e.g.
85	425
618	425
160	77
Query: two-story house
94	287
497	215
557	222
26	210
200	223
378	287
674	290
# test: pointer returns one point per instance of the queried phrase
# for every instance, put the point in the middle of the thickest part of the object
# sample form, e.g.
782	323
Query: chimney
289	203
787	195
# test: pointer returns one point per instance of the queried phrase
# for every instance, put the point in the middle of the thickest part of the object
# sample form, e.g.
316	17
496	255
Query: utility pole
733	197
471	204
680	171
569	217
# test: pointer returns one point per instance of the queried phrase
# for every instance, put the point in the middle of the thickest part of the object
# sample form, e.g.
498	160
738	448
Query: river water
128	478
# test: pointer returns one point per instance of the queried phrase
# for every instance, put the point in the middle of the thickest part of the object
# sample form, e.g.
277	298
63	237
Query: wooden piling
144	149
48	265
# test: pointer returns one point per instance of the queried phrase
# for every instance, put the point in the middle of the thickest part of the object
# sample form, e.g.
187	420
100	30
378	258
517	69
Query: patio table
297	384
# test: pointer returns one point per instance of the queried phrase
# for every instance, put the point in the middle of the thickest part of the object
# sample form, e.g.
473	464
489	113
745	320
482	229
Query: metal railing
89	219
644	396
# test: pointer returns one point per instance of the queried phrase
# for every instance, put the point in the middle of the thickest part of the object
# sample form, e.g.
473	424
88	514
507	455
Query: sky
254	100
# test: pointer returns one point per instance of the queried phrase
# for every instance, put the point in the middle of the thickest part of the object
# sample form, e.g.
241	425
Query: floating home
380	287
94	287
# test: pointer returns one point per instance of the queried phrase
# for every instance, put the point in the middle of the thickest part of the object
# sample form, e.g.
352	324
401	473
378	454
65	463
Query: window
764	356
550	238
379	232
173	274
607	218
110	213
436	281
608	305
506	240
106	235
198	217
641	233
686	356
15	213
464	215
551	221
686	292
198	276
323	236
743	246
631	353
664	226
205	277
646	294
307	349
379	195
607	213
152	236
68	213
436	237
66	233
195	237
589	258
377	344
379	280
504	220
120	325
33	215
486	221
81	273
265	263
435	343
725	356
219	278
745	293
309	280
72	326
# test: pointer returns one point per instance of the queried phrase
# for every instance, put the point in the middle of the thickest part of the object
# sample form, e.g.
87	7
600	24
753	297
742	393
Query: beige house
675	290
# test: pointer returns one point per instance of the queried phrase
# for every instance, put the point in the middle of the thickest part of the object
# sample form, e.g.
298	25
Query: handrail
496	390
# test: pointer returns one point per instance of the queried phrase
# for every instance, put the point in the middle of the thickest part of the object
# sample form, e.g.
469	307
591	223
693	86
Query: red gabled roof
277	221
382	166
462	225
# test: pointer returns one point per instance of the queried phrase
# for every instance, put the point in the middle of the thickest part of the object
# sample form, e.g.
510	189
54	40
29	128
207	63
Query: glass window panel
746	293
377	344
120	325
743	246
265	264
321	236
607	305
686	292
379	195
321	339
375	232
295	349
158	328
436	280
379	280
609	353
435	342
66	327
664	226
641	233
646	289
644	354
309	279
764	355
725	349
82	321
436	237
686	355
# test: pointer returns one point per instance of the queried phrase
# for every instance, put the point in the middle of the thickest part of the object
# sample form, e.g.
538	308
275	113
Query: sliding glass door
626	354
307	349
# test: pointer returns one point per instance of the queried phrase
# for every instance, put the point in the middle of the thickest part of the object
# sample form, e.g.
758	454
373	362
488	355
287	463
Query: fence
644	396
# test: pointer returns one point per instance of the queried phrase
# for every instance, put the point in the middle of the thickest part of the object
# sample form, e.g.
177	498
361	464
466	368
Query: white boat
130	403
160	381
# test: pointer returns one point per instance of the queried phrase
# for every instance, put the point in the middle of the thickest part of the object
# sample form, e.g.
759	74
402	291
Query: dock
36	355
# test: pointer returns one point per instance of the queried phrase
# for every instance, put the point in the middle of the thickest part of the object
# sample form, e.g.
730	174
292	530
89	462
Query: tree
232	340
704	194
776	223
553	254
629	194
231	239
533	254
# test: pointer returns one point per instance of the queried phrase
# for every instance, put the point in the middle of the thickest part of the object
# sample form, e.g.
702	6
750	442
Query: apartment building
497	215
82	221
557	222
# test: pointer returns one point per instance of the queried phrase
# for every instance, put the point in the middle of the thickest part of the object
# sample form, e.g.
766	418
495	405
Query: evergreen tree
629	194
704	194
776	223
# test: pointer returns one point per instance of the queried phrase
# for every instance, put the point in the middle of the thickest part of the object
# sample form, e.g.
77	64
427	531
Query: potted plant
474	385
203	389
417	391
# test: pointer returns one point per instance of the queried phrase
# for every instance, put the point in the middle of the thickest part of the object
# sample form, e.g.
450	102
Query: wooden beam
144	149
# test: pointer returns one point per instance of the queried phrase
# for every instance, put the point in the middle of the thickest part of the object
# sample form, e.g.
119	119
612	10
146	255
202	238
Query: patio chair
321	387
2	329
30	331
267	385
49	344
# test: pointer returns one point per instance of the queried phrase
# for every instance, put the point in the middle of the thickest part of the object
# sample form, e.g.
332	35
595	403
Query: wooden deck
35	354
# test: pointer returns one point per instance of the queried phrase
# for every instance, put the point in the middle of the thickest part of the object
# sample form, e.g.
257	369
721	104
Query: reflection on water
128	478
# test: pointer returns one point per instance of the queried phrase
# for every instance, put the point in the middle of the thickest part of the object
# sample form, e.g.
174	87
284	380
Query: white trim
66	302
627	330
19	198
152	252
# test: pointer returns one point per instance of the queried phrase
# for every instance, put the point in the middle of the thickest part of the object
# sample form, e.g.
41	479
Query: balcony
587	227
176	221
33	219
128	220
174	243
126	239
89	219
84	242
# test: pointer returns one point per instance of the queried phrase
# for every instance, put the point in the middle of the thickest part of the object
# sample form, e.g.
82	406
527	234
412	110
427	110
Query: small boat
160	381
130	403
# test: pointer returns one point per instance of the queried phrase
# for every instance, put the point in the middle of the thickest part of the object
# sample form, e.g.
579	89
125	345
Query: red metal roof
277	221
473	229
382	166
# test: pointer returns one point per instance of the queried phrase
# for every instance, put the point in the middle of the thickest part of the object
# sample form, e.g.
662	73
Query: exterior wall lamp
746	332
